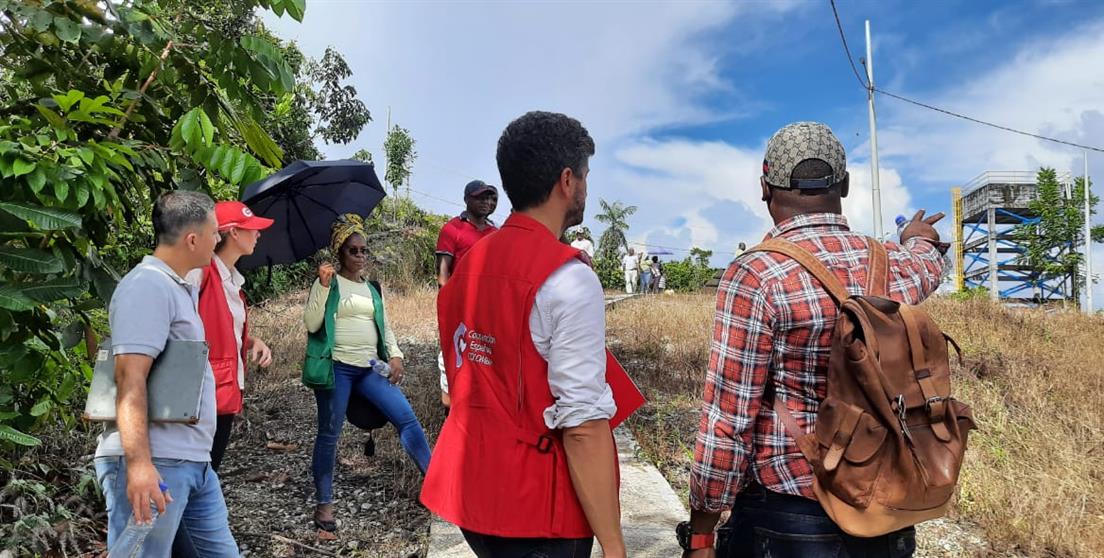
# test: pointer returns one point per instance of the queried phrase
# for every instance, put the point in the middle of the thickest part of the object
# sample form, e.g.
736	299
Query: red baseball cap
235	214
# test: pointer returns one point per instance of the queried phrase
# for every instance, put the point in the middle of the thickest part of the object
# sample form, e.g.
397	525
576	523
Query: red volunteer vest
496	468
218	324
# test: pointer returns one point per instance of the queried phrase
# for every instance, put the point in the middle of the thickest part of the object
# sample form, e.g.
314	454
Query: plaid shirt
773	326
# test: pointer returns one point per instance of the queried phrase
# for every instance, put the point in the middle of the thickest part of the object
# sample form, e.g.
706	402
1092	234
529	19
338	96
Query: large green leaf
104	280
54	118
37	180
41	407
42	20
55	289
22	166
296	9
206	128
61	190
30	260
42	218
261	143
237	170
67	29
13	299
16	437
69	99
190	129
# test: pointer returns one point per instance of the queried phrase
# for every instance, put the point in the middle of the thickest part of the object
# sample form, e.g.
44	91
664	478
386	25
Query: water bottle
901	222
129	543
380	367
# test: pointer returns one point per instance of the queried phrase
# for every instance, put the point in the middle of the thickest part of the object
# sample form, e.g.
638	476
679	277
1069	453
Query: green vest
318	364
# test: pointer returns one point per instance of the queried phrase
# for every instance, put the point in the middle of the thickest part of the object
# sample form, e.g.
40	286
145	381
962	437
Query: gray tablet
173	389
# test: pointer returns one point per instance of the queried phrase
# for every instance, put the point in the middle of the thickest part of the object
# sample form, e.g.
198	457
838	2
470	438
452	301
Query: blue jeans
765	523
331	417
645	281
197	503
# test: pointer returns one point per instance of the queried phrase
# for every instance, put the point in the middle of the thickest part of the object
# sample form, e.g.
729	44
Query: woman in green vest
348	333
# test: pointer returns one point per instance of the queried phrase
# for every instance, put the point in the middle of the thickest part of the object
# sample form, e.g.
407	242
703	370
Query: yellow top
355	336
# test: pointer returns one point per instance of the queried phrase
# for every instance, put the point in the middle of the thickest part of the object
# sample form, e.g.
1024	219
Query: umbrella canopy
660	252
304	199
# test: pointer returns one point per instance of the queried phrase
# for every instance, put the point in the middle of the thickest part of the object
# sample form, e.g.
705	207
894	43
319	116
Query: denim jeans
332	404
645	282
197	503
487	546
768	524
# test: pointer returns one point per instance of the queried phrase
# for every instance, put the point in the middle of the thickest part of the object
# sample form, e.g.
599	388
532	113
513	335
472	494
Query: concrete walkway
650	509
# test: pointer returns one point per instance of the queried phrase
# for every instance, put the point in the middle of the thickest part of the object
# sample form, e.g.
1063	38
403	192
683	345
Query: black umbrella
304	198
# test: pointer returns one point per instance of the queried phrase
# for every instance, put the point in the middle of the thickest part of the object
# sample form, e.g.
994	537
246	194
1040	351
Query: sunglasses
357	250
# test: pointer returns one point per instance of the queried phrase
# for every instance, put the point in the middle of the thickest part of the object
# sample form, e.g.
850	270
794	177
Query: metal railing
1010	177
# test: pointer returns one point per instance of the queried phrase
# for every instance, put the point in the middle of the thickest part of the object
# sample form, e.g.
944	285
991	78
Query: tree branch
114	135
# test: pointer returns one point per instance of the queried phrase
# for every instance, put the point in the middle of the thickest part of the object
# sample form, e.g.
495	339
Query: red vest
496	468
218	324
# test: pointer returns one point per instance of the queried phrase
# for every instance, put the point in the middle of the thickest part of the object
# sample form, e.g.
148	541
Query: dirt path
268	485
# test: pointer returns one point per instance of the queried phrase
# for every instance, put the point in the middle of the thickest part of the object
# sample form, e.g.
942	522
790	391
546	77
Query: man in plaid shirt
771	339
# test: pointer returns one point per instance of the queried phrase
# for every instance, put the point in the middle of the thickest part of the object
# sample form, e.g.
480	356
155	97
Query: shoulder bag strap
827	279
878	277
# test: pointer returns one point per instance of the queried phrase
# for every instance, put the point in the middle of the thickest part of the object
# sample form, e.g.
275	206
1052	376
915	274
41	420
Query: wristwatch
689	540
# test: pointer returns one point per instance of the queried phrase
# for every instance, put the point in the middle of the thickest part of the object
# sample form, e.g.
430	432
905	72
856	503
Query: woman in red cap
223	310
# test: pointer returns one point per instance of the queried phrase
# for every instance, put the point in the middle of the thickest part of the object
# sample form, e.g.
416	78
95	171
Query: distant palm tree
616	216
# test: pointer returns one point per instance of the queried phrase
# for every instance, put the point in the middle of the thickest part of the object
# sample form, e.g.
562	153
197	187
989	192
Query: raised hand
325	273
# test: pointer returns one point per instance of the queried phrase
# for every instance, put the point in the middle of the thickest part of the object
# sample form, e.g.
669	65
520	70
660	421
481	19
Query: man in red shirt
458	236
771	338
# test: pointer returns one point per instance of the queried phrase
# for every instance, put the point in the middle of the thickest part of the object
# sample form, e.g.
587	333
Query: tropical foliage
103	106
1055	240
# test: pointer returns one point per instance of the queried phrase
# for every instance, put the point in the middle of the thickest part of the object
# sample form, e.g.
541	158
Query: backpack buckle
936	406
933	401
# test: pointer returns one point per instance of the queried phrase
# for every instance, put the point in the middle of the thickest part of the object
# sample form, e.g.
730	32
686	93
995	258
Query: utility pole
874	178
1088	241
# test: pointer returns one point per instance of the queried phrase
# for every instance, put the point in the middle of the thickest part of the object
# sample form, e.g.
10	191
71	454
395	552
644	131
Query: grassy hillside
1034	476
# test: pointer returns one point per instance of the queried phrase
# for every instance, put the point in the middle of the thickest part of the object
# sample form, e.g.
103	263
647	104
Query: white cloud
703	194
1051	87
858	206
456	73
707	194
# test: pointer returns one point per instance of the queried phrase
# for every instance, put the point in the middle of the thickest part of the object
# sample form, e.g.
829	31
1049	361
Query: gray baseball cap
798	142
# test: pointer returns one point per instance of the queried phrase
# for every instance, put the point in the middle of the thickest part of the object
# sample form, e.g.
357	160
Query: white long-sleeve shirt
568	327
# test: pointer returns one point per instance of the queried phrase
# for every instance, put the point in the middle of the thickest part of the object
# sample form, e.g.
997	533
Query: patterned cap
798	142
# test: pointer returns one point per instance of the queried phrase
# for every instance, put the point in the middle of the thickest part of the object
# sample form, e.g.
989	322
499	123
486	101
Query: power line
847	49
865	85
990	124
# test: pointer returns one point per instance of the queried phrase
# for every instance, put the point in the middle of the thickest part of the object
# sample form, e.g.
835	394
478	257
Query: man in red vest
457	237
525	463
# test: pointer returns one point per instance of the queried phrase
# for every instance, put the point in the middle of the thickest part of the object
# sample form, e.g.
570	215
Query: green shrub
687	275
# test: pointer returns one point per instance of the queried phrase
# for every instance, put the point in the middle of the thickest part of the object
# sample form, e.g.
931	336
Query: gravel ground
268	485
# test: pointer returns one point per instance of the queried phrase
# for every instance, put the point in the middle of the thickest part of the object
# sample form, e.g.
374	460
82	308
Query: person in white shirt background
630	264
583	243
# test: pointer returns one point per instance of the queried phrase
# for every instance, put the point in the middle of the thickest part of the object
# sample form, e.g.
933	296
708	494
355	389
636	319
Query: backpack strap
804	440
934	404
827	279
878	276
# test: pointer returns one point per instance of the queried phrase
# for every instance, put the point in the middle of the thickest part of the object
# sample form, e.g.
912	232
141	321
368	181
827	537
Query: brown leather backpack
889	439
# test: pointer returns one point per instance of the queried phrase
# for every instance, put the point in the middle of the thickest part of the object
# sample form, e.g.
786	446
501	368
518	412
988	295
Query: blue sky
681	97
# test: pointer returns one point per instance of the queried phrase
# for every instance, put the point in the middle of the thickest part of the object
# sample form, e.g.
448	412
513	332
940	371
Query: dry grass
1034	476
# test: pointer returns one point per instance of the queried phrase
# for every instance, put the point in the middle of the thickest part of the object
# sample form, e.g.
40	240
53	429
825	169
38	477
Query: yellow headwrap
345	226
